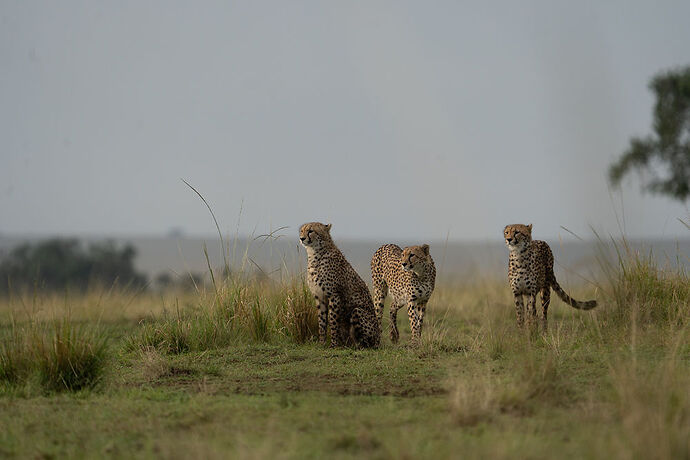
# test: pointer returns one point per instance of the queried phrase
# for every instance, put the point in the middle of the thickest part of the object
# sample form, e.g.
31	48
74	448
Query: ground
593	386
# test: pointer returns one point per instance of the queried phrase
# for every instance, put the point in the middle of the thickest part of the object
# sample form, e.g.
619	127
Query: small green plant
473	400
153	364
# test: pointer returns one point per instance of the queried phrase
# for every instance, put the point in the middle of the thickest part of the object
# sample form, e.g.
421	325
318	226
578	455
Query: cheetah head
414	259
314	234
517	236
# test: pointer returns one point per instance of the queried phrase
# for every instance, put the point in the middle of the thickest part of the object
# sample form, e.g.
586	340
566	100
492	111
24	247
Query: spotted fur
342	297
408	275
530	271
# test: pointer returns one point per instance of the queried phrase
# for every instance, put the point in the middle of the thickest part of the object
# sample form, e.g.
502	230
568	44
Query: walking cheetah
409	275
530	272
342	297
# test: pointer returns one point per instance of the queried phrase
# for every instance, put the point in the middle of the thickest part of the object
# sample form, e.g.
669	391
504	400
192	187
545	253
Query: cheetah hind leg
545	301
415	324
334	317
365	327
532	310
380	293
345	332
323	321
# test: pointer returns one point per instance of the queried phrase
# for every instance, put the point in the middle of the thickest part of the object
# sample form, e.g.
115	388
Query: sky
399	120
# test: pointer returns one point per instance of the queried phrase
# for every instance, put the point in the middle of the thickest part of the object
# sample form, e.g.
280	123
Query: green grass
237	372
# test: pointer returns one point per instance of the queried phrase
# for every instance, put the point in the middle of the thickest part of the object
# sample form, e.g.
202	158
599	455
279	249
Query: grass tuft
63	355
15	362
643	293
240	310
69	356
297	317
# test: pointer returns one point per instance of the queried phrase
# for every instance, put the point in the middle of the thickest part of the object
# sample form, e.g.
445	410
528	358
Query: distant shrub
58	264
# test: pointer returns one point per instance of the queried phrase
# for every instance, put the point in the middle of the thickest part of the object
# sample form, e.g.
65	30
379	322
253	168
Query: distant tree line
59	264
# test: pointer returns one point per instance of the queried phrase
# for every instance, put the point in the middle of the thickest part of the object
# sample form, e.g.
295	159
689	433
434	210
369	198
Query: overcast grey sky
400	120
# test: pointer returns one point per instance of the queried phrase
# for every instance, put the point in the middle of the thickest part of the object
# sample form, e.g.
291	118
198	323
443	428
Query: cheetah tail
587	305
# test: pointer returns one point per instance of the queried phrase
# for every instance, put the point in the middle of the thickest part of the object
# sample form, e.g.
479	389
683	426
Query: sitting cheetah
530	271
342	296
409	275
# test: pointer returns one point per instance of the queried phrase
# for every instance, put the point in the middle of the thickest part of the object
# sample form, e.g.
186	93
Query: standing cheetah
409	275
342	297
530	272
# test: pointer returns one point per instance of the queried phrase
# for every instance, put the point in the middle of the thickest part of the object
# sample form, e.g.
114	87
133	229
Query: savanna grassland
234	370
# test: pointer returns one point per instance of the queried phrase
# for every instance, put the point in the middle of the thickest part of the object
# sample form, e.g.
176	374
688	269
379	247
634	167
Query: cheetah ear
425	248
530	227
328	228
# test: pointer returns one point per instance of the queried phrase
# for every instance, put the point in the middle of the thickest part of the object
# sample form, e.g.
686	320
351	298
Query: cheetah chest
522	284
525	280
420	292
521	274
398	296
312	282
319	278
409	291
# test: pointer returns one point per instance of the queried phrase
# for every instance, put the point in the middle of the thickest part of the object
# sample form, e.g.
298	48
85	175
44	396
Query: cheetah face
314	234
517	236
414	257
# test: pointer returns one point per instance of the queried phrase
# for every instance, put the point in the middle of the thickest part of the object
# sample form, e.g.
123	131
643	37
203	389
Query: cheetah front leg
419	310
322	305
413	312
519	310
334	312
395	335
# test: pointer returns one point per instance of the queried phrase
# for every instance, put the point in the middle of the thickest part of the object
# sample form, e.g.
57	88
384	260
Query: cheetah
530	272
341	295
409	275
